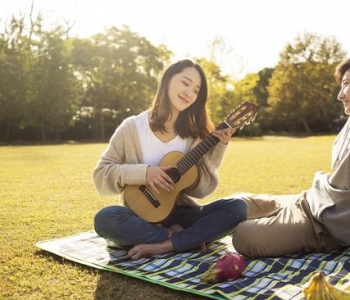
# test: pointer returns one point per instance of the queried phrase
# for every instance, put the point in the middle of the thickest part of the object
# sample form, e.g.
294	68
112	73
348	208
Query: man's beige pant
279	225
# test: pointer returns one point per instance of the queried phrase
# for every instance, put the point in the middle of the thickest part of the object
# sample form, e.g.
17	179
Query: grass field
47	192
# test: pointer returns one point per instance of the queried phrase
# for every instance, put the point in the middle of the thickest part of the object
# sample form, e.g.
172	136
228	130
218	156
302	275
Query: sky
253	32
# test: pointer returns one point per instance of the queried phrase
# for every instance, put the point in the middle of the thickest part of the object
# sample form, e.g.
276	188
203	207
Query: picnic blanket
268	278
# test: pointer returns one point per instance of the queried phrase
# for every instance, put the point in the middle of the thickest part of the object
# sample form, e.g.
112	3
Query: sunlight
254	32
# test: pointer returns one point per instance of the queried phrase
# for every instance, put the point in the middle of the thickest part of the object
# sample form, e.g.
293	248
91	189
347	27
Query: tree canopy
54	86
302	89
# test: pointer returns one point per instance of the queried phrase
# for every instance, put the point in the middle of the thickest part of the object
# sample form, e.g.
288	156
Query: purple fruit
228	267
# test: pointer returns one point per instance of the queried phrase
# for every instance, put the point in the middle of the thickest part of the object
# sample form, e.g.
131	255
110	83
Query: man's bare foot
147	250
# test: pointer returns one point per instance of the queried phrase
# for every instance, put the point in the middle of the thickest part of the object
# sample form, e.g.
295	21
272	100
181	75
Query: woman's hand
157	178
224	135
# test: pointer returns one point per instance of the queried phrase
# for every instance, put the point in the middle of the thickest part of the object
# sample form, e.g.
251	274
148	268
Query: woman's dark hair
341	69
194	120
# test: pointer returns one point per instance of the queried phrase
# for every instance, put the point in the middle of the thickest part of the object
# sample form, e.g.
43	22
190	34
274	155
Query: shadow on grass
114	286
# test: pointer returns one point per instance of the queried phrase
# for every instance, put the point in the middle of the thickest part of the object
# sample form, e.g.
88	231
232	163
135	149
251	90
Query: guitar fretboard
196	153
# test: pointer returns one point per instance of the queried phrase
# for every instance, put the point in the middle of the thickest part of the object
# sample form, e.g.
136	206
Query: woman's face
344	93
184	88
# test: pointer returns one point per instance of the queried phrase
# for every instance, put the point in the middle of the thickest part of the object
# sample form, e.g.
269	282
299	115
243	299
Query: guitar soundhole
147	193
174	173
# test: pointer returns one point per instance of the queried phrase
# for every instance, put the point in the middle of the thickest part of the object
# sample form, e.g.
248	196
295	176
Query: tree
301	90
118	71
260	91
224	96
245	90
53	86
13	65
37	86
217	90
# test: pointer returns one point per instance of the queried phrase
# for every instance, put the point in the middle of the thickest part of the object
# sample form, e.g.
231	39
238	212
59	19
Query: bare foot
147	250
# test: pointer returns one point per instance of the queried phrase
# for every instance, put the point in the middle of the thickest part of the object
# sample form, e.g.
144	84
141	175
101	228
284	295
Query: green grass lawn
47	192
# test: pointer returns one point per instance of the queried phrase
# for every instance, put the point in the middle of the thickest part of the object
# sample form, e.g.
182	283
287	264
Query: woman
177	121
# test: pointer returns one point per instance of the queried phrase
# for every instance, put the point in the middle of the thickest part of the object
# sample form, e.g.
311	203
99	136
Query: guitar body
166	201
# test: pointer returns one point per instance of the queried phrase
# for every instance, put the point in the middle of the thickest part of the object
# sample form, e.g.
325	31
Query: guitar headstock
242	115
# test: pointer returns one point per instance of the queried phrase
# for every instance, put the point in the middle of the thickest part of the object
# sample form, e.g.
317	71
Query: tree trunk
306	125
102	126
43	133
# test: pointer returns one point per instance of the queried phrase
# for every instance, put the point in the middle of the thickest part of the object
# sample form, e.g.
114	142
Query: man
316	220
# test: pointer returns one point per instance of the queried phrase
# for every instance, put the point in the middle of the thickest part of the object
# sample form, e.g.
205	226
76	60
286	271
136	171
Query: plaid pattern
268	278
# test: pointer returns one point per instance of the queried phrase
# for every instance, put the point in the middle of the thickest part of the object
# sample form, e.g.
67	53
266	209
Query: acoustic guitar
156	208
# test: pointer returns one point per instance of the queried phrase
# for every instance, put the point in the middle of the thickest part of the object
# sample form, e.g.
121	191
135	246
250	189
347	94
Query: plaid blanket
268	278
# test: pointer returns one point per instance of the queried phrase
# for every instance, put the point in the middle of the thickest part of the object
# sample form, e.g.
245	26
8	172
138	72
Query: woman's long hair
194	120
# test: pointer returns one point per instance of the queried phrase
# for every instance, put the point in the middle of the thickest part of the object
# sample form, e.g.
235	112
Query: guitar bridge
149	196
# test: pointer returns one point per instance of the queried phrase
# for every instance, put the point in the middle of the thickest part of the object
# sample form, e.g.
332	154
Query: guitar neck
196	153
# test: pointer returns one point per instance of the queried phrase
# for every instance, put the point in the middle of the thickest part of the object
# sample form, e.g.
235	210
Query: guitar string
184	164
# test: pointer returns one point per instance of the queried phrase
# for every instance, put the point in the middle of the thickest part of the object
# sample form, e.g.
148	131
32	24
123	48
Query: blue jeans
201	224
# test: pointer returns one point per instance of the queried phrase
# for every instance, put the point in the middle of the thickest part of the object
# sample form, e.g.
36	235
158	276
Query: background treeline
57	87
